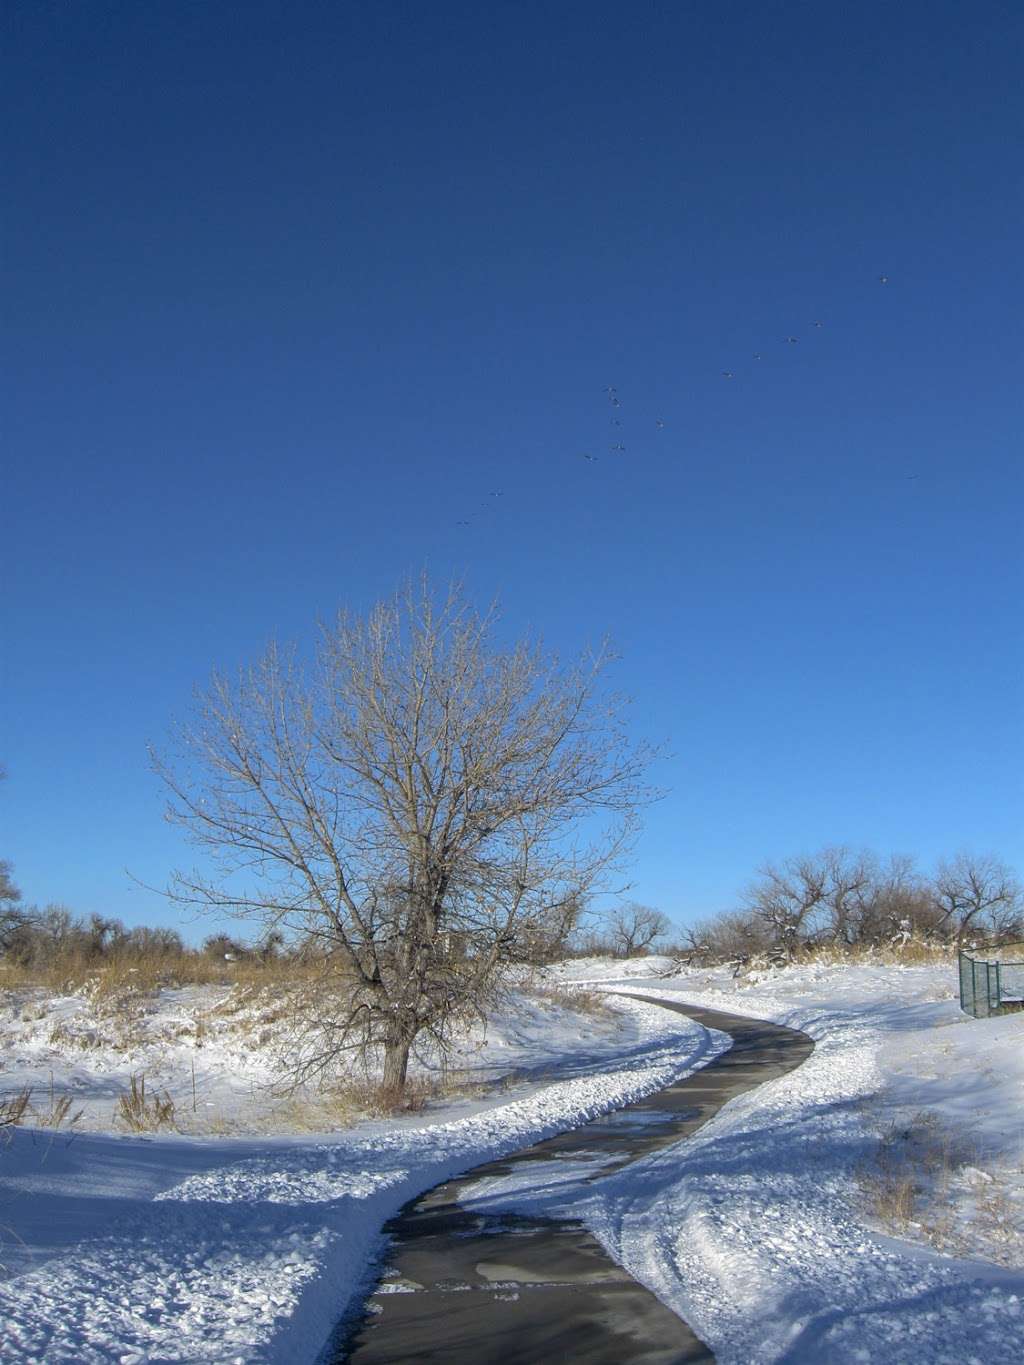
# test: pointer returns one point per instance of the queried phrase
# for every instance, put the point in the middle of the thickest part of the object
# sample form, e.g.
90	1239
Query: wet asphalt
465	1288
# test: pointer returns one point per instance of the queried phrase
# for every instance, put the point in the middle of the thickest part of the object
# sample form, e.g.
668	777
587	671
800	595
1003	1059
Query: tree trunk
965	924
396	1058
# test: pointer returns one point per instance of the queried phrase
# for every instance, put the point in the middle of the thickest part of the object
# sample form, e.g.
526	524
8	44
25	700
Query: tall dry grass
114	973
913	953
572	998
144	1112
13	1108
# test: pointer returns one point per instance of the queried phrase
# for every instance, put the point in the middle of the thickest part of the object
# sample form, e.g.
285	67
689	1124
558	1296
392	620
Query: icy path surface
754	1230
135	1251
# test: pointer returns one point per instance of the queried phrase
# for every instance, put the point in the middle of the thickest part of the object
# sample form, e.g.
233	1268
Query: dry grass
923	1183
347	1102
57	1112
13	1108
144	1113
122	992
143	973
593	1003
915	952
1001	1216
908	1178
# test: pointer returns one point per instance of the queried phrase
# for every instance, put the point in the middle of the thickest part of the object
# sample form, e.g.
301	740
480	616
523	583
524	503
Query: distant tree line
39	938
35	937
846	899
836	898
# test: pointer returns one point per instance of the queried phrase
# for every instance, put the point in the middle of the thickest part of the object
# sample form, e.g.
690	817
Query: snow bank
214	1051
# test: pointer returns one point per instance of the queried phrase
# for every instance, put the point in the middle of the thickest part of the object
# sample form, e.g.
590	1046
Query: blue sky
291	289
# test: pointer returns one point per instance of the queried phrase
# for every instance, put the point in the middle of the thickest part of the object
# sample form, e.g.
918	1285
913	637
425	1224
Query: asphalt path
466	1288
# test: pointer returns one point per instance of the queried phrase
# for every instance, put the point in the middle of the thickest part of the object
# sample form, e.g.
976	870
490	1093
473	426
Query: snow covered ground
227	1039
777	1231
200	1249
770	1230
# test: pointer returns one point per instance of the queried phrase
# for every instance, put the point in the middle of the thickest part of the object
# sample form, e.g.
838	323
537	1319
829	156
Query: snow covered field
768	1232
134	1249
772	1231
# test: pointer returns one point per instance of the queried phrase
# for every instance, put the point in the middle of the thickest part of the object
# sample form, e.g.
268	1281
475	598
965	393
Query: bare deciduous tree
811	898
636	928
425	805
787	899
893	906
975	892
10	895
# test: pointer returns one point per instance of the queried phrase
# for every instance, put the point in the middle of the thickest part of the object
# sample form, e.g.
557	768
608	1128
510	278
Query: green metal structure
992	981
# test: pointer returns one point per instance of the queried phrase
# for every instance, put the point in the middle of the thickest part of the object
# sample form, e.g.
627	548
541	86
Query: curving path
469	1289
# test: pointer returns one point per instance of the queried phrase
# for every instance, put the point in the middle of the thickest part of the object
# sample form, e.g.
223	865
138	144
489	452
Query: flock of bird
618	446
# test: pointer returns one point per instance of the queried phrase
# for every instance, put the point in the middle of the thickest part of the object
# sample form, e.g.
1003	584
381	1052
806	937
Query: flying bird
659	424
883	279
757	355
727	374
791	340
818	324
587	456
610	390
619	448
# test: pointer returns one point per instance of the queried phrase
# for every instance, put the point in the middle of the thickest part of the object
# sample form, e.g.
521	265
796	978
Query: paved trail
471	1289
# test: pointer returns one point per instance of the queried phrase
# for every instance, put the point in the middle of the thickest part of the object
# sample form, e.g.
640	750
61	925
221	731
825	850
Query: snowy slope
760	1231
200	1250
227	1040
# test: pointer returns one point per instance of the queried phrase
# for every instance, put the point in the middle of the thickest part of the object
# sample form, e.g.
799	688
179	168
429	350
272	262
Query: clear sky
291	289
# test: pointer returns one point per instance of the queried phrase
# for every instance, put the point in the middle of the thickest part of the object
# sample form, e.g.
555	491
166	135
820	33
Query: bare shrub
9	895
811	898
725	937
